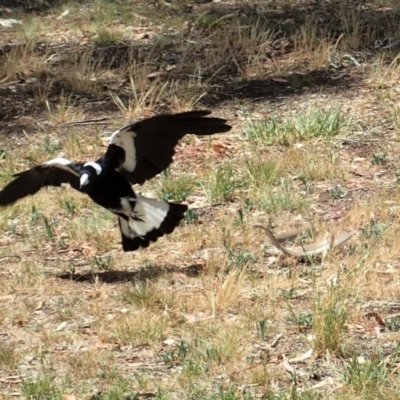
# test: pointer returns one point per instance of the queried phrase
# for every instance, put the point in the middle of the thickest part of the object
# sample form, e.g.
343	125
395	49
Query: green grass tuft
305	125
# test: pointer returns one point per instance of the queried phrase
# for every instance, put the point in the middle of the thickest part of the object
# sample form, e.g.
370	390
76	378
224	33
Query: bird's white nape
94	165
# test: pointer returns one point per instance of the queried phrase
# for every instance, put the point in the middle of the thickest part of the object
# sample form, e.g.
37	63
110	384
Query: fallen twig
94	121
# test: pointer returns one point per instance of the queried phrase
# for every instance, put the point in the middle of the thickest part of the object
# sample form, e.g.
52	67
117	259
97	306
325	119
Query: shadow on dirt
142	275
357	23
30	5
275	90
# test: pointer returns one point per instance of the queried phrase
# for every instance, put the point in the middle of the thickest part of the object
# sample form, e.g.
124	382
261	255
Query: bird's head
88	173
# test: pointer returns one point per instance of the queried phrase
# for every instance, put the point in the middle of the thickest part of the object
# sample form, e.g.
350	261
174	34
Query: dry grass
205	313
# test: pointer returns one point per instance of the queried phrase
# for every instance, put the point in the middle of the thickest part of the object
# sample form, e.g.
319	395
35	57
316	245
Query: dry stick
8	257
103	120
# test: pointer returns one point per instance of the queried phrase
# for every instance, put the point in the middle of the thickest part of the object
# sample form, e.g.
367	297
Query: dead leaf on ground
64	14
196	317
10	22
377	318
69	397
301	357
325	382
156	74
61	326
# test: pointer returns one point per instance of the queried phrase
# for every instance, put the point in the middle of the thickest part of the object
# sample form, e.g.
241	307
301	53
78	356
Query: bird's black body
117	187
136	153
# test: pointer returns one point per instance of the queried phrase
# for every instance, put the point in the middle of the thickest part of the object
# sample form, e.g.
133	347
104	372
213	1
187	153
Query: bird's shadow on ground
152	272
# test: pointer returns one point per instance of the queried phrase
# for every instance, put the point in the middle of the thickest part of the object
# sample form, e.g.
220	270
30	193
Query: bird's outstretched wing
143	149
51	173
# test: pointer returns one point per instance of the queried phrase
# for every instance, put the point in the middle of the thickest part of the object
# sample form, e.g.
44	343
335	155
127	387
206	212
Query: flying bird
136	153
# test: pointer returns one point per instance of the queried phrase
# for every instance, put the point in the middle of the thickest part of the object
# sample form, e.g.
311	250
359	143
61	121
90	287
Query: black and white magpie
136	153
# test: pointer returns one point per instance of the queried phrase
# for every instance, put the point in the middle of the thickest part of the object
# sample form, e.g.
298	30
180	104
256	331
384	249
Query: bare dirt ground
311	90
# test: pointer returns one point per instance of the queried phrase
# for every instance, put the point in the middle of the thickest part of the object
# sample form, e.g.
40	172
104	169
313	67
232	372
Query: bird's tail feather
150	220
